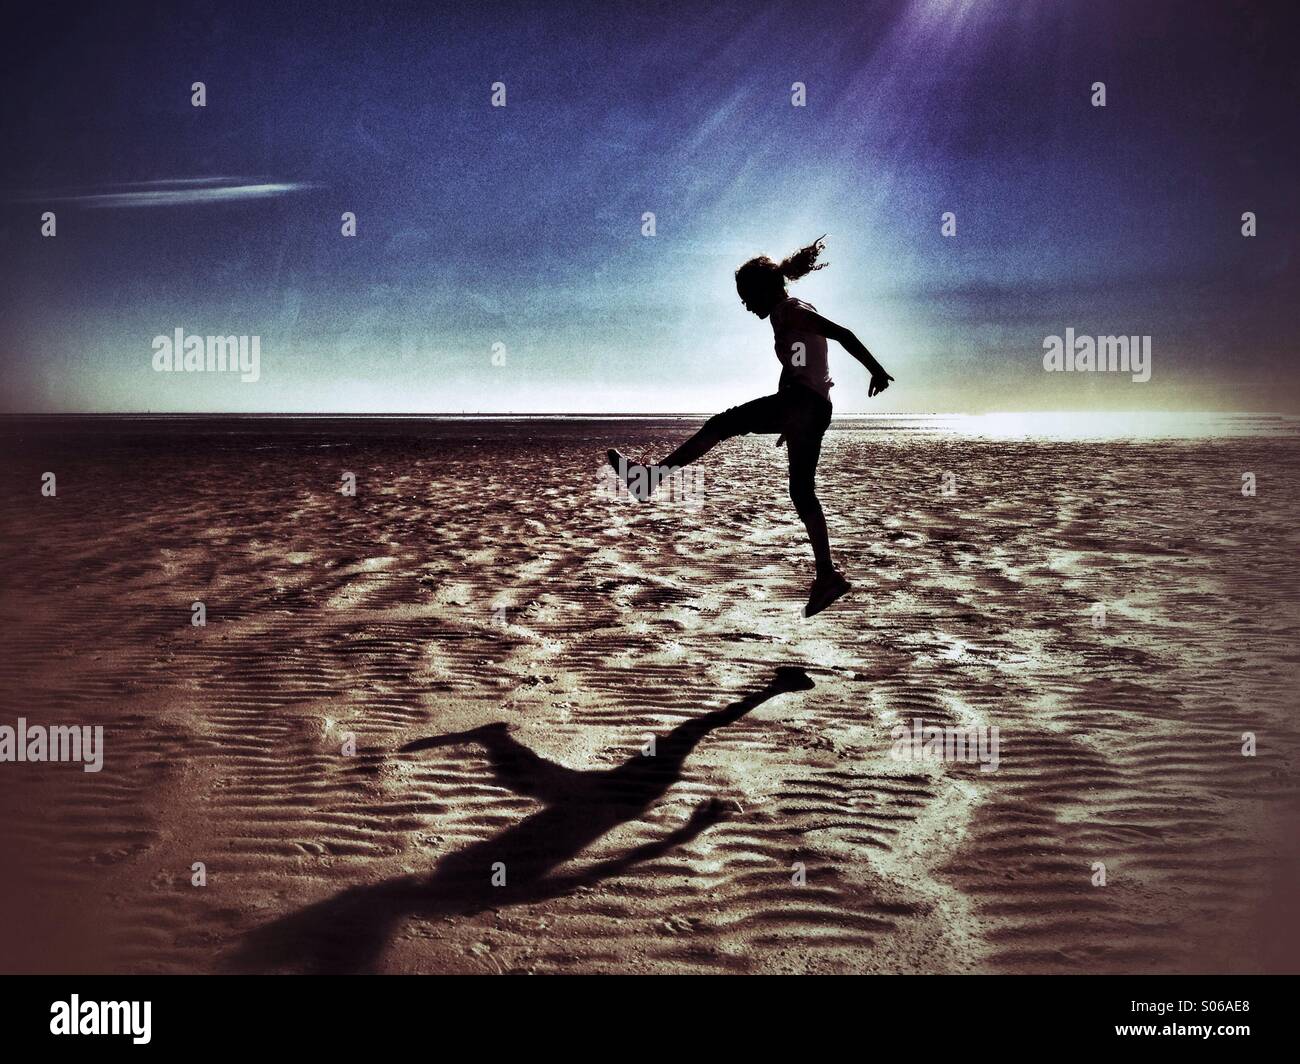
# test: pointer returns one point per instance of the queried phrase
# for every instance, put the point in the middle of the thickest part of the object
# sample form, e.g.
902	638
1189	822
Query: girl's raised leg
642	484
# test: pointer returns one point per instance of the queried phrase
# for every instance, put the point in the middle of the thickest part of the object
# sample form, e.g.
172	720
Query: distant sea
1045	425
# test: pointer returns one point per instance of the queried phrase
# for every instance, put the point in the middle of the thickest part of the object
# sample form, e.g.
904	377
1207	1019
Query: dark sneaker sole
622	465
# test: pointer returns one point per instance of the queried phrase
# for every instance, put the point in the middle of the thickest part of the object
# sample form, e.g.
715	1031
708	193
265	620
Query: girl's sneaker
825	590
635	477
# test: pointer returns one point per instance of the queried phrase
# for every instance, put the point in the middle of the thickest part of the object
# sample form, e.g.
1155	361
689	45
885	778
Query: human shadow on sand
348	932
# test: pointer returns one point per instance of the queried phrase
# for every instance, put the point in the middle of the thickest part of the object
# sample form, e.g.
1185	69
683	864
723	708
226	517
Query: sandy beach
485	578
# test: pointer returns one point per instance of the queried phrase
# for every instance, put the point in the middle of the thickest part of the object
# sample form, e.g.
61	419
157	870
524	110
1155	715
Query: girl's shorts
795	412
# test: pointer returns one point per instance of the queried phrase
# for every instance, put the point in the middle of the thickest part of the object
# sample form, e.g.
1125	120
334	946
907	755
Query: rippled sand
484	575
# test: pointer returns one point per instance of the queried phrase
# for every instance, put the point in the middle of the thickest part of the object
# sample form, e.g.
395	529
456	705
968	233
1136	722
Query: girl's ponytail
804	261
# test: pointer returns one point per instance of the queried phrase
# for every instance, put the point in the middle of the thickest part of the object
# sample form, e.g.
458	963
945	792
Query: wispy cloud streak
182	192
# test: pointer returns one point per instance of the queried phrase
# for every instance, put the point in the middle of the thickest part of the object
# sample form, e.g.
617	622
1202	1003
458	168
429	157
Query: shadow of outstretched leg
676	746
515	766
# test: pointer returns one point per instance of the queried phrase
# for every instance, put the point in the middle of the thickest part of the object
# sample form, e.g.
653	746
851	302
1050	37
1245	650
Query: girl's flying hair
762	274
804	261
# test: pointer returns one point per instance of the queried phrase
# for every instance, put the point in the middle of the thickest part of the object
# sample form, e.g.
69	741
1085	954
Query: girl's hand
879	382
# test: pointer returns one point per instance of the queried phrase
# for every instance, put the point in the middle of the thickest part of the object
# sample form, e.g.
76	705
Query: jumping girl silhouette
799	412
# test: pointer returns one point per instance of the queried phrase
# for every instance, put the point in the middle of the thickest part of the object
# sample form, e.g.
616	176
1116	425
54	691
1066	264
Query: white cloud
179	192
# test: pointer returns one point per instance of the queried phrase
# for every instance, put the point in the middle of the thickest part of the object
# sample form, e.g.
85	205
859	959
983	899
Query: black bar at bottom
214	1013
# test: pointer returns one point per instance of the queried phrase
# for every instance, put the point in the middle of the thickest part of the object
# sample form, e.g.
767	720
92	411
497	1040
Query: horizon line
409	414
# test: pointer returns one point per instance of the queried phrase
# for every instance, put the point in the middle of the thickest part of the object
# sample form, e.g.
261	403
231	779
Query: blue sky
521	225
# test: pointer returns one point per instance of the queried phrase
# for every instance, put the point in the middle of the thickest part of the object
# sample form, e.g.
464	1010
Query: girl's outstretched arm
855	347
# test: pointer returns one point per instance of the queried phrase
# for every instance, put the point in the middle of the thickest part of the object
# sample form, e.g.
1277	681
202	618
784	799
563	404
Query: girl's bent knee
804	496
